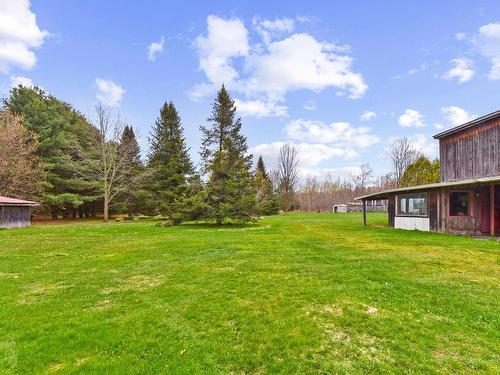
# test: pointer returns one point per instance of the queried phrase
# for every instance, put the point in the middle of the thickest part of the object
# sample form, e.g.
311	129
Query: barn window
412	204
459	203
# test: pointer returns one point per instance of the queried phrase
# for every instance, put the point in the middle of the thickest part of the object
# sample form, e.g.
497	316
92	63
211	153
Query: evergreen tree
267	201
129	147
170	167
422	171
56	124
229	189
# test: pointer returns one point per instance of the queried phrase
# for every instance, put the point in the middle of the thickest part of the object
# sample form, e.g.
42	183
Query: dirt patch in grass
56	367
372	310
38	292
315	310
9	275
80	361
102	305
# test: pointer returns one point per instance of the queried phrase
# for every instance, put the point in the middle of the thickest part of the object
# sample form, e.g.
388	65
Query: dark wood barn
467	199
15	213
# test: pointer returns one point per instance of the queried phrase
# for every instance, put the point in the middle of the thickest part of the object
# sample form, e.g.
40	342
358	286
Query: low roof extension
6	201
463	183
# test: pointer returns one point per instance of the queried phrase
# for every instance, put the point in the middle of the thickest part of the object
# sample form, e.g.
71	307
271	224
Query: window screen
412	204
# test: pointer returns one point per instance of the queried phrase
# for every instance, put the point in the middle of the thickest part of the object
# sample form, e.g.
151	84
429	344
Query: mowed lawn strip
296	293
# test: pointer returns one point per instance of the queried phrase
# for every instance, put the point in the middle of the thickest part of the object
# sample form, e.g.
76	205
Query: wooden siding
472	153
433	210
14	217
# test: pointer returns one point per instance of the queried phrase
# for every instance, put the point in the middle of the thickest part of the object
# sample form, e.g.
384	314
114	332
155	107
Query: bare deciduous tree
287	175
364	178
106	160
385	182
402	154
21	172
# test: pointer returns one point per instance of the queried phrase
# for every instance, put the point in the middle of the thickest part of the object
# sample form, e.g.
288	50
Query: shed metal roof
6	201
471	182
468	125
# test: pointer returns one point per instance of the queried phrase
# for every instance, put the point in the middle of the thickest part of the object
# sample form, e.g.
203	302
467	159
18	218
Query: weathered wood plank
14	217
472	153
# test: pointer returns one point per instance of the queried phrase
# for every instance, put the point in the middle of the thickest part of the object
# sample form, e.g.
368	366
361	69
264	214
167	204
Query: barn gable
471	150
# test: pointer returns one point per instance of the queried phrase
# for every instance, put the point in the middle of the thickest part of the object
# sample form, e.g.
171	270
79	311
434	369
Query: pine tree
56	124
170	166
229	189
267	201
129	147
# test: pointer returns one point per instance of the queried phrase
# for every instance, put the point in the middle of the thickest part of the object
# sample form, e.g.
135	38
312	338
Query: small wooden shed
15	213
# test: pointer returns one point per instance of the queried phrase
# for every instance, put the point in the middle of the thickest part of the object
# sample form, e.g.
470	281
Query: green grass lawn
297	293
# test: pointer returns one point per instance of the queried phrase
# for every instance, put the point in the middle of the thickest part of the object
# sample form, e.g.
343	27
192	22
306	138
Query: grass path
298	293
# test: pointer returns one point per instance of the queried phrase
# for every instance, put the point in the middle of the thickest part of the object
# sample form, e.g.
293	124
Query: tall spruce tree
170	166
229	189
129	146
267	201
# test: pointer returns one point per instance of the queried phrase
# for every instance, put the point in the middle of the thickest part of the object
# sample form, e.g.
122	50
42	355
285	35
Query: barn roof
468	125
6	201
386	193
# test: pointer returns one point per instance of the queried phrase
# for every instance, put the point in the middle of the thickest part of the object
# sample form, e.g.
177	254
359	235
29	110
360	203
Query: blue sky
338	79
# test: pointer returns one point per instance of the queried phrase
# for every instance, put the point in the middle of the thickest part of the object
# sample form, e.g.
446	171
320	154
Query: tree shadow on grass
226	226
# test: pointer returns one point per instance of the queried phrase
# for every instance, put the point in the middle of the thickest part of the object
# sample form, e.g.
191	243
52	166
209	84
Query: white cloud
19	35
411	118
108	92
420	68
301	62
19	80
155	48
342	173
308	154
368	115
271	29
259	108
456	116
489	37
490	46
487	42
424	144
495	69
463	70
339	133
319	144
225	39
460	36
310	105
271	70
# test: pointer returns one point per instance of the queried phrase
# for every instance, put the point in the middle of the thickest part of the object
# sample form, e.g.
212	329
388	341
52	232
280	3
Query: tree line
409	168
76	167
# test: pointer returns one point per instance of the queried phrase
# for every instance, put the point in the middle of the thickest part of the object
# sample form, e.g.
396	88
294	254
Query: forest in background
75	167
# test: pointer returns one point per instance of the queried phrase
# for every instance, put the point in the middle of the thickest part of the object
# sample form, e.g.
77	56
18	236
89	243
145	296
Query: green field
297	293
